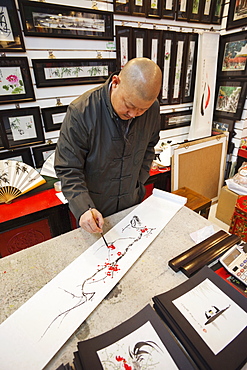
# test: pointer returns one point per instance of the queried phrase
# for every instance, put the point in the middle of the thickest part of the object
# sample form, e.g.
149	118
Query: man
106	143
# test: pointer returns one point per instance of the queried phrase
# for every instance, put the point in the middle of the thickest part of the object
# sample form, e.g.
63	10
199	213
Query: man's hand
92	221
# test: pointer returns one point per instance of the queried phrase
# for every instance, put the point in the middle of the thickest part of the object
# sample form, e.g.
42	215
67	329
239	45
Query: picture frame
176	119
230	98
139	47
217	12
60	72
207	10
15	80
182	10
65	21
177	70
195	10
237	14
42	152
53	117
122	7
221	125
232	60
154	9
167	63
154	40
169	9
138	8
23	155
21	127
123	45
11	39
189	73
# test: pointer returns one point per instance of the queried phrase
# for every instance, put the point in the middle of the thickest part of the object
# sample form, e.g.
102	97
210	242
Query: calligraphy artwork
67	300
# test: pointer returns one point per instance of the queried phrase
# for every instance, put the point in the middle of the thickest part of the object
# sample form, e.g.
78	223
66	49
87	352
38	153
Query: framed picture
230	99
15	80
182	10
168	10
21	126
167	61
222	125
21	155
154	8
53	117
179	54
207	10
189	73
232	55
138	8
10	32
122	7
217	11
176	119
123	45
237	14
60	72
139	36
41	153
154	40
195	10
52	20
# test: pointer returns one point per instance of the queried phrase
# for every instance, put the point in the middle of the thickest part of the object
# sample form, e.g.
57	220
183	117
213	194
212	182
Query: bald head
143	77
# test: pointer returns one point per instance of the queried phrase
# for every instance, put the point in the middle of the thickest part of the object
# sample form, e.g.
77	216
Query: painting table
27	271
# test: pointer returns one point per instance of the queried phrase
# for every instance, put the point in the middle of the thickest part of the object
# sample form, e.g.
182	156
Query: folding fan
48	167
17	178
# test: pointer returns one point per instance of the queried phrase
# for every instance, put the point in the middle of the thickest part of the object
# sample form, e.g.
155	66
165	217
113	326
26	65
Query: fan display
17	178
48	167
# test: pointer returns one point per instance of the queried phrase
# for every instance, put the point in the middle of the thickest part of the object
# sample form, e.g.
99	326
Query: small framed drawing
122	7
195	10
21	155
189	72
207	10
175	119
15	80
168	10
154	8
233	55
53	20
217	11
123	45
167	61
230	99
10	32
53	117
222	125
41	153
138	8
182	10
154	40
139	37
21	126
60	72
237	14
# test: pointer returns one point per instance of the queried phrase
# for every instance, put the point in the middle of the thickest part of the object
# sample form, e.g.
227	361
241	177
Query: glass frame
176	119
61	72
47	114
13	136
33	12
123	45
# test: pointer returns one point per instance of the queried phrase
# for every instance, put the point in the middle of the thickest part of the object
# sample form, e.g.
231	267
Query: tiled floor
215	220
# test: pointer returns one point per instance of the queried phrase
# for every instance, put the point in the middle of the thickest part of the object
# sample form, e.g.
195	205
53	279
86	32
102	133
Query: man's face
126	104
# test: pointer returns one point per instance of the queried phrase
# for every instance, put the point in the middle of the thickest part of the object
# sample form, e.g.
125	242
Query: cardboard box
226	205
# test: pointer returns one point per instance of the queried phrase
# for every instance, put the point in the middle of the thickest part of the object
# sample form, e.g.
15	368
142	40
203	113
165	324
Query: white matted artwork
214	316
203	105
22	127
38	329
123	351
11	81
6	30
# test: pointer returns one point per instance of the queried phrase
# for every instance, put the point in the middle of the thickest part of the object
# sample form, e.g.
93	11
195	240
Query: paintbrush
90	209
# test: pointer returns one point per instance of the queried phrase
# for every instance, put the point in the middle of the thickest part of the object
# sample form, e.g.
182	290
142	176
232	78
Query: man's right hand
92	221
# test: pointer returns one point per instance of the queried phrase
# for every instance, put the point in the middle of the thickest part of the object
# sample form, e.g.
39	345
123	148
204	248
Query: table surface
27	271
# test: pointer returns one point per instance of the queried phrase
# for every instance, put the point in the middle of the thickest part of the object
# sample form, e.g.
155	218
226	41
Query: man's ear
115	81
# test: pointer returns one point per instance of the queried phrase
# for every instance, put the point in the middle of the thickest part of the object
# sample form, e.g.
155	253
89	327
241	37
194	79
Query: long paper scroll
32	335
